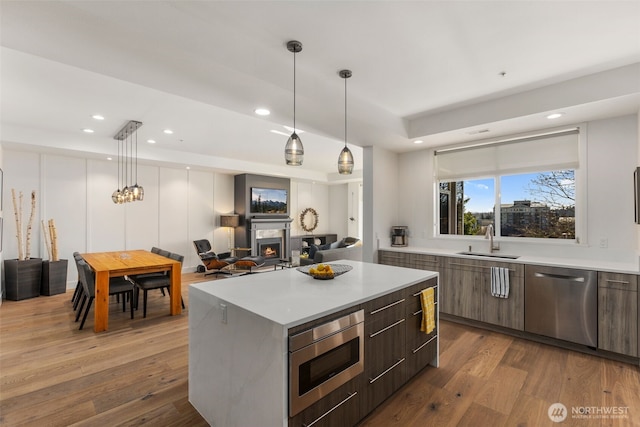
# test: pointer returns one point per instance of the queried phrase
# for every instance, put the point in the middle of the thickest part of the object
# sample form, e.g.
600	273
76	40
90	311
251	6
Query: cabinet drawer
483	266
424	262
419	356
342	407
416	337
387	307
625	282
384	345
412	296
377	389
398	259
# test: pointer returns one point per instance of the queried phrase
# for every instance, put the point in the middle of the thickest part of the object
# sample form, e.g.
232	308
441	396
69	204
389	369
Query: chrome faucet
489	235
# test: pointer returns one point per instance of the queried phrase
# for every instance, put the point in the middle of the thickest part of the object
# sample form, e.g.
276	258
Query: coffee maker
399	235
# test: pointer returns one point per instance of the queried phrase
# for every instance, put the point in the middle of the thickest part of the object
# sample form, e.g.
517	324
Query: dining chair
77	293
148	283
117	286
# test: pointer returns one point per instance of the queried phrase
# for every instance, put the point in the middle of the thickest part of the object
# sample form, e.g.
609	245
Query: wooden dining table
127	263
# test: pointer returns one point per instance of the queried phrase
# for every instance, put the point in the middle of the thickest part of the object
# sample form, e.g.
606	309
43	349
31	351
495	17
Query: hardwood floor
136	374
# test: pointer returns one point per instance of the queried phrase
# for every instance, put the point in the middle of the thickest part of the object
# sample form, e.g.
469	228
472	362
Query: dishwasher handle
560	276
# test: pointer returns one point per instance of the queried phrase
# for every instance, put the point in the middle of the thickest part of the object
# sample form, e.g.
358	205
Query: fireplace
270	248
269	238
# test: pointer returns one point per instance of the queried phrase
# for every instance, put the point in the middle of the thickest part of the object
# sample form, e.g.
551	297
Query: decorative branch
54	240
29	225
46	240
17	211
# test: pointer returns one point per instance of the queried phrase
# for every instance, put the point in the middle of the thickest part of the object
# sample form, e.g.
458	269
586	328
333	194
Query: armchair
214	264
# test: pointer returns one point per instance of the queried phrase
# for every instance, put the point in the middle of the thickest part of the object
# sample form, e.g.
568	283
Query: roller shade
540	153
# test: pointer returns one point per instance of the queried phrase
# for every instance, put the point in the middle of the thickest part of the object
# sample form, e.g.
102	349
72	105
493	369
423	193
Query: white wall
339	210
2	208
354	209
310	195
381	196
612	155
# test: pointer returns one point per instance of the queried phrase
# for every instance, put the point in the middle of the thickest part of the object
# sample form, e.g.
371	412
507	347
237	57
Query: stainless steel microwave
323	358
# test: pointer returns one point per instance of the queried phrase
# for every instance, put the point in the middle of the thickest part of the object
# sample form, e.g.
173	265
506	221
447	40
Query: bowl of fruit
324	271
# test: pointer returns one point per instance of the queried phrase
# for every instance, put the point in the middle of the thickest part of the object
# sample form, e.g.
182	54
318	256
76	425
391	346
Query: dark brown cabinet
618	313
384	349
341	408
395	348
421	348
394	351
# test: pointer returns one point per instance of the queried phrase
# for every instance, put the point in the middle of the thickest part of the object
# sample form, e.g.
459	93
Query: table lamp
229	221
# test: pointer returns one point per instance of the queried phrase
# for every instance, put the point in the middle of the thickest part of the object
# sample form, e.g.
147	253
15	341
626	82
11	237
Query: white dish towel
500	282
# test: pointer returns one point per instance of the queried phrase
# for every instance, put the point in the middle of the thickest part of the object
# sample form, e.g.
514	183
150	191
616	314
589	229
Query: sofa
347	248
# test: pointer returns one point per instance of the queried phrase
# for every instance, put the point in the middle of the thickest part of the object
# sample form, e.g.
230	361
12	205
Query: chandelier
127	191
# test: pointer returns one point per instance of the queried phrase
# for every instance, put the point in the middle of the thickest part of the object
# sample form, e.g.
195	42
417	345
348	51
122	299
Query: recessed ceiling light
109	158
87	130
262	111
168	131
555	116
418	141
188	167
98	117
151	141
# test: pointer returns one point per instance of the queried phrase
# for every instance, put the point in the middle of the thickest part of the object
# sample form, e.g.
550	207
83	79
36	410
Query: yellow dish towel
428	310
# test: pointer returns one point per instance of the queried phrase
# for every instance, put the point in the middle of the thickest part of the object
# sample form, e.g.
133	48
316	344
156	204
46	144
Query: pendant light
294	151
137	191
129	192
117	195
345	159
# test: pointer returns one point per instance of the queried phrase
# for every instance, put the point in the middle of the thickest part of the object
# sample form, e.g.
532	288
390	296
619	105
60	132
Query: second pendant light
294	151
345	159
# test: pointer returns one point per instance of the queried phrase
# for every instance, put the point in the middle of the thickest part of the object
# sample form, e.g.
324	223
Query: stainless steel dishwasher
561	303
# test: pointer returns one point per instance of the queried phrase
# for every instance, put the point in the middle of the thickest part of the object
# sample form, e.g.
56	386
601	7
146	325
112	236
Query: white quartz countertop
589	264
290	298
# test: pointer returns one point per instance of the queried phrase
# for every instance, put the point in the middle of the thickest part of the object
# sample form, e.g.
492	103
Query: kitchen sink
489	255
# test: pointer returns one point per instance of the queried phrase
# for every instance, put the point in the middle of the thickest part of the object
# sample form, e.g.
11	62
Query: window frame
581	214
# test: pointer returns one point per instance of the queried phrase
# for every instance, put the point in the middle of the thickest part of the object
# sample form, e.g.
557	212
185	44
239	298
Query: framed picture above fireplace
269	201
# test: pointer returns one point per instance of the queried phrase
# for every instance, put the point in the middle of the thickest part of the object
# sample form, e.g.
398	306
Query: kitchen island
238	334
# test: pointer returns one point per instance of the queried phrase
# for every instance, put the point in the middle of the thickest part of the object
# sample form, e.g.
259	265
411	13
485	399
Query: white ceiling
430	70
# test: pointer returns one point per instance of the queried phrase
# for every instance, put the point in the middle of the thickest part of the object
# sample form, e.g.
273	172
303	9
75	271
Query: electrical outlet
604	242
224	312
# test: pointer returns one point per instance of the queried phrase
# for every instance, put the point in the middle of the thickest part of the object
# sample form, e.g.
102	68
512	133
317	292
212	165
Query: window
538	205
531	180
466	207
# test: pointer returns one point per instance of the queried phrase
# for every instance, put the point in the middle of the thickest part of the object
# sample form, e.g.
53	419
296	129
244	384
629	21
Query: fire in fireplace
270	247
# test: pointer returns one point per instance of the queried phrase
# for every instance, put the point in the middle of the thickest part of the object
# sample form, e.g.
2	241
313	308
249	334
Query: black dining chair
150	282
117	286
77	293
